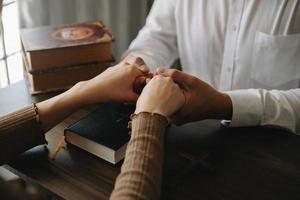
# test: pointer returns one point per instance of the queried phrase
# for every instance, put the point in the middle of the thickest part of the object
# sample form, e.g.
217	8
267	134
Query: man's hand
202	100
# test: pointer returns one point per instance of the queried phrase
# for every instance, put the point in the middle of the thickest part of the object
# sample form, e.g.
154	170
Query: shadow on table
204	160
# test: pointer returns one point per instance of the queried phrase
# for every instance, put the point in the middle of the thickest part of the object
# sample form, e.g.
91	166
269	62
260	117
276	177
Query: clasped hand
171	93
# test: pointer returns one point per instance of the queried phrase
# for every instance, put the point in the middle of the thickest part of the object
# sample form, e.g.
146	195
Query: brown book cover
63	78
52	37
57	46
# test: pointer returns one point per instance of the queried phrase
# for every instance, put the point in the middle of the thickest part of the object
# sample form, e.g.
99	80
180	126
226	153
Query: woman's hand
161	95
116	84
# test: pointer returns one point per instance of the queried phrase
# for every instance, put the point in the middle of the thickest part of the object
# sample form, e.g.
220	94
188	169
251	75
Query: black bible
104	132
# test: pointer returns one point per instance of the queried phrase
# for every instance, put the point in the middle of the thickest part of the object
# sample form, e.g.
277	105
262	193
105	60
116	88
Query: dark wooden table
202	161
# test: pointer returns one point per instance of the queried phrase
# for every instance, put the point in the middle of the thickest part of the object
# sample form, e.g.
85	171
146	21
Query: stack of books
57	57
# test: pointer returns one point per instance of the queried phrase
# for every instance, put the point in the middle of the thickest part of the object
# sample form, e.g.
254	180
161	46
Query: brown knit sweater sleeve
140	176
19	131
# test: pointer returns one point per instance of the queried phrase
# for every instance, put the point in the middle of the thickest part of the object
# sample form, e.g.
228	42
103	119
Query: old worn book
104	132
75	44
57	57
61	78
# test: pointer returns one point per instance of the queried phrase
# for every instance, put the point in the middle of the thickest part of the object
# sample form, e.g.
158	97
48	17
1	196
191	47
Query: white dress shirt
234	45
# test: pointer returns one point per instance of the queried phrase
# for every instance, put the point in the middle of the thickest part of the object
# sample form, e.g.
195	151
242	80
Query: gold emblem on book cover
73	33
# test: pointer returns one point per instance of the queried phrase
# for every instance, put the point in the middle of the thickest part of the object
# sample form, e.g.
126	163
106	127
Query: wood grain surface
202	161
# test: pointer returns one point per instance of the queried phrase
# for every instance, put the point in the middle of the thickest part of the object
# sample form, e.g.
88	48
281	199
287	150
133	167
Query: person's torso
240	44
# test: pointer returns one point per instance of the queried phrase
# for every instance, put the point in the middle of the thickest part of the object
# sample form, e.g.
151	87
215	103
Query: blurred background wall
124	17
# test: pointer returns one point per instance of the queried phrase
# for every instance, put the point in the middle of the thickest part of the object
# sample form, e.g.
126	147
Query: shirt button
229	69
234	27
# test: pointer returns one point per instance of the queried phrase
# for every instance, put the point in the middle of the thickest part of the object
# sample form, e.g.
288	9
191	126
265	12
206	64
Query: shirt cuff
247	108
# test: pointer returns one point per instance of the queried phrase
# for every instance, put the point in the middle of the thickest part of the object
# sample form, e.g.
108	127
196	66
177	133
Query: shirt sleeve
156	43
19	131
140	176
262	107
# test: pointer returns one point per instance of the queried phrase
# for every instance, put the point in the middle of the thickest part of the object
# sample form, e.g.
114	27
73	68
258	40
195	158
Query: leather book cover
53	37
107	125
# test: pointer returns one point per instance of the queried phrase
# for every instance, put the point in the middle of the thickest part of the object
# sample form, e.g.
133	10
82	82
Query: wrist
75	96
87	93
223	107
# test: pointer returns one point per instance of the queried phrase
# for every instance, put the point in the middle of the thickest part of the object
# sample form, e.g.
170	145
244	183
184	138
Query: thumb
144	68
178	77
